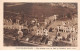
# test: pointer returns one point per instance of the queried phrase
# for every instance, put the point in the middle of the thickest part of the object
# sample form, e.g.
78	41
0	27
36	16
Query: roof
68	23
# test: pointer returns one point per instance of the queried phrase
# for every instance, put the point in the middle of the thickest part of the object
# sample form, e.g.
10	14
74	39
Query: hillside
40	11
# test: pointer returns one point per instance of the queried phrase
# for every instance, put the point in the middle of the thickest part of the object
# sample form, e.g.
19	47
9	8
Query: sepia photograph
40	24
